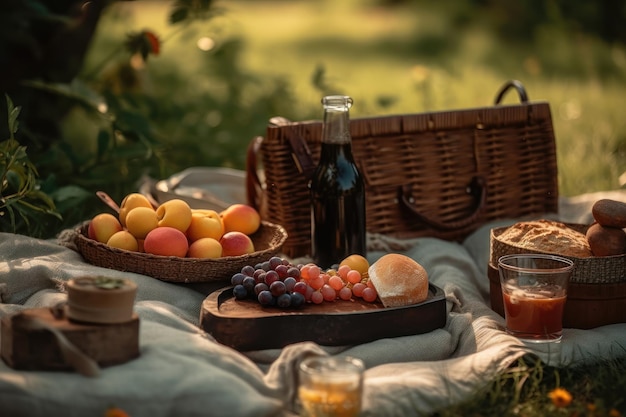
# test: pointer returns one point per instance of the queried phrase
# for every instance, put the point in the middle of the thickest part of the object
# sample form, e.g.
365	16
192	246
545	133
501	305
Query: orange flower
560	397
153	40
614	413
115	412
143	43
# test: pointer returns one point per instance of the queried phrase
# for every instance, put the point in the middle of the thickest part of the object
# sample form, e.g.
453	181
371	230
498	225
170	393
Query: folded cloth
183	371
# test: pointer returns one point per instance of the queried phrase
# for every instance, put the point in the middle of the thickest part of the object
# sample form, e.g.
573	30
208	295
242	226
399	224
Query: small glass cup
534	291
330	386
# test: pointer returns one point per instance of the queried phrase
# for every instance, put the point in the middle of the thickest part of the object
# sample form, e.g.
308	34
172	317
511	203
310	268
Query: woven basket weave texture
437	154
268	241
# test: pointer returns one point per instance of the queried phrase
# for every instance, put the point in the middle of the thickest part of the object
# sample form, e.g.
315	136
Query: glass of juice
534	290
330	386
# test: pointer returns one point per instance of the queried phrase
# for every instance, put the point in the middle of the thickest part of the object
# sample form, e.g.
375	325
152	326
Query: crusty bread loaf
399	280
547	236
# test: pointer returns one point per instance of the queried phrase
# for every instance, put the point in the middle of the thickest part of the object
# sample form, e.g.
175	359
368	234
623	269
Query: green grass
524	389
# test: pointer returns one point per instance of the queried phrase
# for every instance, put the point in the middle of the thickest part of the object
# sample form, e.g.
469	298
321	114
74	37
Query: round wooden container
597	289
100	299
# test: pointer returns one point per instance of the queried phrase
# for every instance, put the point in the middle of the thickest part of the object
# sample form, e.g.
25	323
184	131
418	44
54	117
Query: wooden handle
518	86
108	201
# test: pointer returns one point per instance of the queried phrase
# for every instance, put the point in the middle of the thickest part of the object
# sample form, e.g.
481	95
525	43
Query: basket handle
300	151
254	187
518	86
477	188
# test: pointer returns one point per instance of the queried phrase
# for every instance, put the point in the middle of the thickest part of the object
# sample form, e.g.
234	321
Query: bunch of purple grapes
279	283
271	283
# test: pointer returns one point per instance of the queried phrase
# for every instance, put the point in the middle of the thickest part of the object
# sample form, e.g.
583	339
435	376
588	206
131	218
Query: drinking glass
534	290
330	386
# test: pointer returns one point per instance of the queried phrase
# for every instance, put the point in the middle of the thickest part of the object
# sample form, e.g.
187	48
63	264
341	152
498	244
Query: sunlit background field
398	59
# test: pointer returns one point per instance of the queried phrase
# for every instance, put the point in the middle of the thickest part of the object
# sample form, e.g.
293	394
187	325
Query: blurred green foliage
100	129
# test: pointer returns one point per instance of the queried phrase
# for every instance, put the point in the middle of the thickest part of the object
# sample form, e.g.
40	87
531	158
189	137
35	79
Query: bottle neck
336	127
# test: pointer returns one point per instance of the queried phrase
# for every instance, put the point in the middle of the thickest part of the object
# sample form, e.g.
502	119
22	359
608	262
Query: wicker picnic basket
439	174
268	241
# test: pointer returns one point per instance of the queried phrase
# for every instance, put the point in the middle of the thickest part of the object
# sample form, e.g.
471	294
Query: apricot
103	226
174	213
130	202
123	240
241	218
205	247
140	221
166	241
356	262
205	223
236	243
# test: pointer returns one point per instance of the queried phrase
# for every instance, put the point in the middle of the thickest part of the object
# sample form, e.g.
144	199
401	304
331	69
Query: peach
123	240
236	243
205	223
140	221
174	213
205	247
241	218
166	241
130	202
103	226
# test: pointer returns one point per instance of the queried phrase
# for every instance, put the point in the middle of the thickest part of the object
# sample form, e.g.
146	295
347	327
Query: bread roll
606	241
547	236
610	213
399	280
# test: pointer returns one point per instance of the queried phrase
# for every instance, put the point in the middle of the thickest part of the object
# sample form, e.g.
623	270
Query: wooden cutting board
247	325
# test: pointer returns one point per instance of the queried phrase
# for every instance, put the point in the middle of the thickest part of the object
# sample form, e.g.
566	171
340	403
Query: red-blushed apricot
166	241
236	243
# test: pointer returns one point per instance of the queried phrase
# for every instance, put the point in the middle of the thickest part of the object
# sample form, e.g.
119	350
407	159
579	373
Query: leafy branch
21	200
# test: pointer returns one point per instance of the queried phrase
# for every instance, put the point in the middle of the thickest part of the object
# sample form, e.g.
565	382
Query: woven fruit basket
268	241
597	289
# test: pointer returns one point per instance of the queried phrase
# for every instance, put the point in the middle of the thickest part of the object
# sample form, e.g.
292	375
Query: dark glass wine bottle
337	190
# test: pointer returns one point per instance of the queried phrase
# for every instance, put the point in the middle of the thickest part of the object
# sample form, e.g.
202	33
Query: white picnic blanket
183	371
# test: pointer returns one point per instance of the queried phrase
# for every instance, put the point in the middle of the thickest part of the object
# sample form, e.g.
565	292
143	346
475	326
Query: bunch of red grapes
277	282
